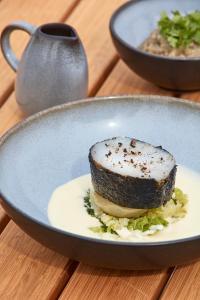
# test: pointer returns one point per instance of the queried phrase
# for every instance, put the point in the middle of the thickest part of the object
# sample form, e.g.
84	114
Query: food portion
114	209
141	176
72	208
176	35
133	184
131	173
145	223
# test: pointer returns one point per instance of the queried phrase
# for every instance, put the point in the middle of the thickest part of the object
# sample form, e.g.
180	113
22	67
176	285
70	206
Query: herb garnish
91	212
87	204
144	223
173	209
180	30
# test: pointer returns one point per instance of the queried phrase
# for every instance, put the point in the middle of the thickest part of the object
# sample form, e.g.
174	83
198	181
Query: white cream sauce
66	210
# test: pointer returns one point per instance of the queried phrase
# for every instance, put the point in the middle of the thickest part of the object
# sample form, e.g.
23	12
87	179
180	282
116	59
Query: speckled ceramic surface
53	68
132	23
51	148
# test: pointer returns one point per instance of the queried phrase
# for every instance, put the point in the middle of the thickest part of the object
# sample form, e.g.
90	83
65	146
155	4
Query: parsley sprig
180	30
87	204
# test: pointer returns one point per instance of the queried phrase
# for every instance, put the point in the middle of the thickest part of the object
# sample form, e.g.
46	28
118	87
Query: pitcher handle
5	41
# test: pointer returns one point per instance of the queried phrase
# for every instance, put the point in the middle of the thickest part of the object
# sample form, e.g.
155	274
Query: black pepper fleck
132	143
143	169
109	153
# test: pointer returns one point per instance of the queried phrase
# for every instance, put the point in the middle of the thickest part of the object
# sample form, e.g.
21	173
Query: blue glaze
136	21
51	147
132	23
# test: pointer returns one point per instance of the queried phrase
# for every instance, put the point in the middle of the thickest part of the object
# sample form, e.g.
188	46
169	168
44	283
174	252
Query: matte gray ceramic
51	148
53	68
132	23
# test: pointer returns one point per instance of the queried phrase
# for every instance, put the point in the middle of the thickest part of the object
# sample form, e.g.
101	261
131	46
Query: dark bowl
51	148
132	23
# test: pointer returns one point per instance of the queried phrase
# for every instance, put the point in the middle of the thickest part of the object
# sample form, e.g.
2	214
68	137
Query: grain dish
176	36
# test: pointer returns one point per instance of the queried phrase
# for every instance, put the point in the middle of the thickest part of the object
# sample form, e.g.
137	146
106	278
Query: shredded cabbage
152	221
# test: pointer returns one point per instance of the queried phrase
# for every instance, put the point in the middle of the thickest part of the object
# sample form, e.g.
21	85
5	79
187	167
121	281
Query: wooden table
28	270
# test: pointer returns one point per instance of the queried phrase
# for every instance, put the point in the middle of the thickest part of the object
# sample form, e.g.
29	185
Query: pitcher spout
58	31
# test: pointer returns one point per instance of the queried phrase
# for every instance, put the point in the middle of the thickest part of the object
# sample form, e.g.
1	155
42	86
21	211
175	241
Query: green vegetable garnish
87	204
180	30
144	223
174	209
91	212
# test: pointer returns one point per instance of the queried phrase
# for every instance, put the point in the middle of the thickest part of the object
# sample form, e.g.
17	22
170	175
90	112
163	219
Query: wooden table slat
29	270
184	284
99	284
91	19
194	96
31	11
4	219
123	81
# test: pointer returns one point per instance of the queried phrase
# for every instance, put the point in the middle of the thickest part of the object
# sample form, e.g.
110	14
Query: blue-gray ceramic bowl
51	148
132	23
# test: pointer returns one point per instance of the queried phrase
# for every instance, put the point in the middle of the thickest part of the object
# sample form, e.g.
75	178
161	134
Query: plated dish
129	196
171	222
176	35
151	49
47	155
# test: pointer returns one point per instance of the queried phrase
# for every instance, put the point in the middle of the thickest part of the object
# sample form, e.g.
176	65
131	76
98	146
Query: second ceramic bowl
132	23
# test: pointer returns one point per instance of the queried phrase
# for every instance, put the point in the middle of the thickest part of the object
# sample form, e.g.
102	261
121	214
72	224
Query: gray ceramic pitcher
53	68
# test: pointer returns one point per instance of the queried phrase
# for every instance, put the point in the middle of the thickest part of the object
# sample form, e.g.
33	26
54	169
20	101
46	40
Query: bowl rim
115	34
65	107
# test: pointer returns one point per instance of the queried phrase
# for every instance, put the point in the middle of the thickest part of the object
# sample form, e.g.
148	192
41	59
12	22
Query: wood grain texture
123	81
10	114
184	284
91	19
92	283
34	12
194	96
4	219
29	270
